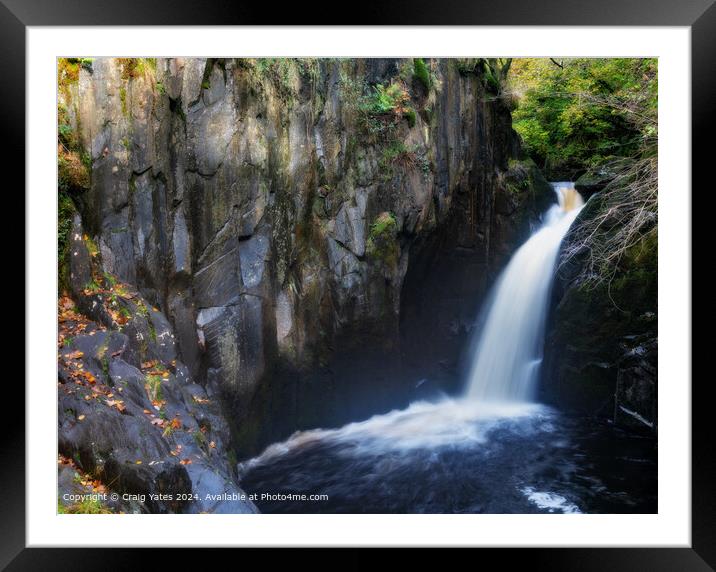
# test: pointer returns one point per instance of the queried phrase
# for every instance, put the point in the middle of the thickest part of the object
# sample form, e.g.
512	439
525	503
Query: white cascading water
508	351
494	415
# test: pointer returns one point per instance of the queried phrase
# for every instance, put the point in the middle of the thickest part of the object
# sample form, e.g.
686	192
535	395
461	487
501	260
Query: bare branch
627	214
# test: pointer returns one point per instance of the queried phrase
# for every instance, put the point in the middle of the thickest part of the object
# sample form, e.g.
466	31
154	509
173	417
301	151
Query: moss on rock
382	244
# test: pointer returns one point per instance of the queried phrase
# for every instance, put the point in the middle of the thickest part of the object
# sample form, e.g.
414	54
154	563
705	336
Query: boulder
144	431
595	180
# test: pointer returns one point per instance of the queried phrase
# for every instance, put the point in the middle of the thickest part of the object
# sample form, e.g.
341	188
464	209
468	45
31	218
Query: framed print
387	284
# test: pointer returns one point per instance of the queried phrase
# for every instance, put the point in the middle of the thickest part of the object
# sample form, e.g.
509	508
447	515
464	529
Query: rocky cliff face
601	349
305	242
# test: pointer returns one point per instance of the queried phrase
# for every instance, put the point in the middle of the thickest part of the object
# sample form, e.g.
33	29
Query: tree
575	114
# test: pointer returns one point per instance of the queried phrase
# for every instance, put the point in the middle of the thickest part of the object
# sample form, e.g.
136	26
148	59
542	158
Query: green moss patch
382	245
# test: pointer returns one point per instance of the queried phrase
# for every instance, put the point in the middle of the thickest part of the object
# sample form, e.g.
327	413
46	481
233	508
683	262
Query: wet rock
181	248
284	319
144	432
254	255
109	443
192	78
117	246
350	229
595	181
97	351
183	316
234	340
80	263
636	387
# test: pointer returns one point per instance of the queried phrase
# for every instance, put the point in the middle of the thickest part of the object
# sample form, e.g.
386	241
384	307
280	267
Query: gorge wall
601	351
304	251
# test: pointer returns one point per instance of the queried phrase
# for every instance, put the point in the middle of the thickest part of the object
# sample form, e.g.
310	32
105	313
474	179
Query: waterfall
490	450
508	350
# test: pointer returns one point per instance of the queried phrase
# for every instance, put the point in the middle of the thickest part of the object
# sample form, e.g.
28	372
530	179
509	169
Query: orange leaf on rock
116	403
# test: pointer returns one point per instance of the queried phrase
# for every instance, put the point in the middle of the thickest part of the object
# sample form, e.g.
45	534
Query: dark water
458	457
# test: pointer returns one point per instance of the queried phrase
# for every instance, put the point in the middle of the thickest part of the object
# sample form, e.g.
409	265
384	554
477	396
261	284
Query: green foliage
88	505
91	245
73	178
154	387
199	438
65	213
131	68
128	67
397	153
123	99
65	133
284	74
68	73
578	113
388	99
466	66
93	286
142	310
490	78
421	72
382	244
109	280
72	172
375	114
385	223
152	330
494	73
378	111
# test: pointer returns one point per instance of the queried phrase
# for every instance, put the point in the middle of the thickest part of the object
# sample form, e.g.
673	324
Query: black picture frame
699	15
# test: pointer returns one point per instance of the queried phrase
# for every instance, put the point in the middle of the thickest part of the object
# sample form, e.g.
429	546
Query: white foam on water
422	425
551	502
